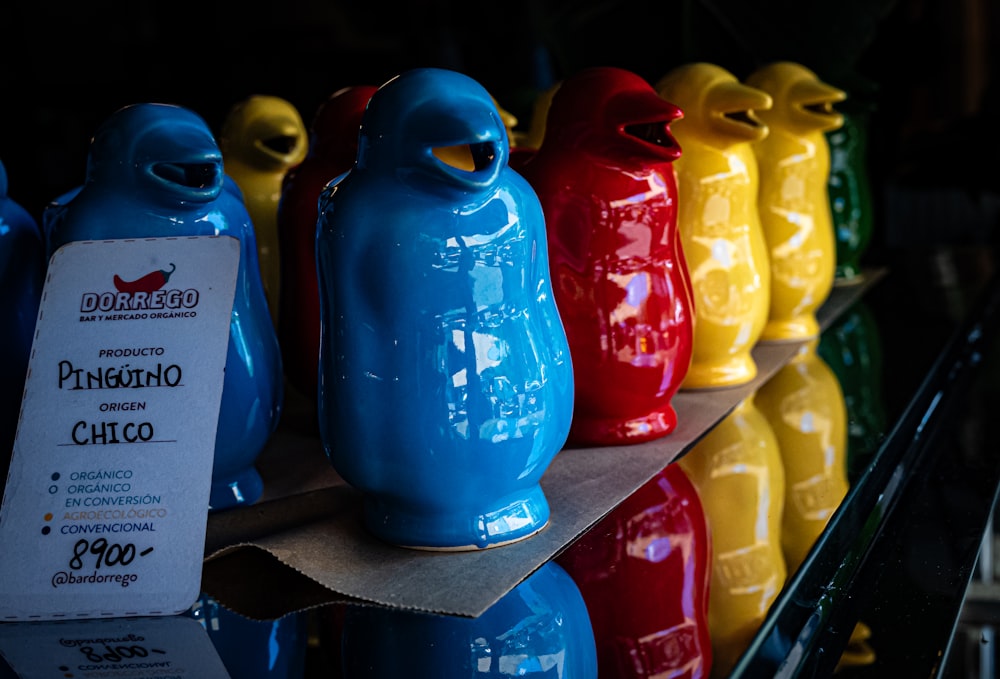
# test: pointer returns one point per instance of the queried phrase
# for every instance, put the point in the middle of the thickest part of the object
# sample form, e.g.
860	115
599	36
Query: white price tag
106	503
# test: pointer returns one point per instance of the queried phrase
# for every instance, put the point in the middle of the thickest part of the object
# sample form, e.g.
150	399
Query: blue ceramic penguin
541	630
22	274
254	649
155	170
446	386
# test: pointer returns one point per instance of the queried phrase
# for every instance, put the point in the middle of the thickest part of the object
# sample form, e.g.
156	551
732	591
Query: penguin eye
468	157
195	175
483	154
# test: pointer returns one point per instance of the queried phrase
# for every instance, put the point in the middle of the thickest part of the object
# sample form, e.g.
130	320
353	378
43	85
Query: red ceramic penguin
333	146
605	178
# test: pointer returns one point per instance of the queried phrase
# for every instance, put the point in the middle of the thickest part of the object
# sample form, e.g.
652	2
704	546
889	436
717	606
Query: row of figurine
675	581
462	307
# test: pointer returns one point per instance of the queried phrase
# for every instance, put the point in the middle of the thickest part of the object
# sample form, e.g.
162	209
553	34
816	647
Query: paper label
106	502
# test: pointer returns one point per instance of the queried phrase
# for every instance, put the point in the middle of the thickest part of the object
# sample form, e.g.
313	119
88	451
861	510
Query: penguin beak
733	108
812	104
650	117
190	175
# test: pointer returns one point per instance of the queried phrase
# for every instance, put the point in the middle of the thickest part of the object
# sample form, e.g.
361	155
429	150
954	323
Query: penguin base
509	519
735	371
242	488
796	329
848	275
614	431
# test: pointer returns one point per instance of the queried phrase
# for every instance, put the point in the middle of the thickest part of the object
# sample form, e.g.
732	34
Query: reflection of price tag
106	502
136	647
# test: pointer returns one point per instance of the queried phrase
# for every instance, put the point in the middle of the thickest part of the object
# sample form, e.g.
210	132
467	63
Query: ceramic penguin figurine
794	202
539	630
738	472
718	220
605	178
333	147
531	138
644	573
526	142
851	200
22	275
155	170
446	386
263	137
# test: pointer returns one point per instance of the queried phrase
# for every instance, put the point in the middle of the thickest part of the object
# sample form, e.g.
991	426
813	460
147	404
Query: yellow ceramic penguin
262	138
794	203
531	139
718	219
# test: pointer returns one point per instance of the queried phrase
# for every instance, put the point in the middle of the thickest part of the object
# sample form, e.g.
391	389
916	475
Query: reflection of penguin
261	138
154	170
539	630
737	470
22	274
333	147
446	386
604	176
644	574
804	405
718	219
794	203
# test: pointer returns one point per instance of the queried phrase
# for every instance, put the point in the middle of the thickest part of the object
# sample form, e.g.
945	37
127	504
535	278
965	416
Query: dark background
924	67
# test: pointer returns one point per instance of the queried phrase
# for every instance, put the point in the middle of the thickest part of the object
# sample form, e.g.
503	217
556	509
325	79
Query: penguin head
612	113
159	153
803	103
333	131
718	109
417	123
532	139
264	132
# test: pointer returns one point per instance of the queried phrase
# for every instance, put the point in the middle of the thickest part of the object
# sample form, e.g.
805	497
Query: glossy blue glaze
22	274
254	649
155	170
539	629
446	386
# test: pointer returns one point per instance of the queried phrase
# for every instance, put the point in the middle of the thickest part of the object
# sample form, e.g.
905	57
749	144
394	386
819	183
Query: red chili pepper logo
154	280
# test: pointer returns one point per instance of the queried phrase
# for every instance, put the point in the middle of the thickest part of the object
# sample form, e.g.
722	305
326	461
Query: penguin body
794	203
262	138
718	219
333	147
446	386
22	276
605	179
